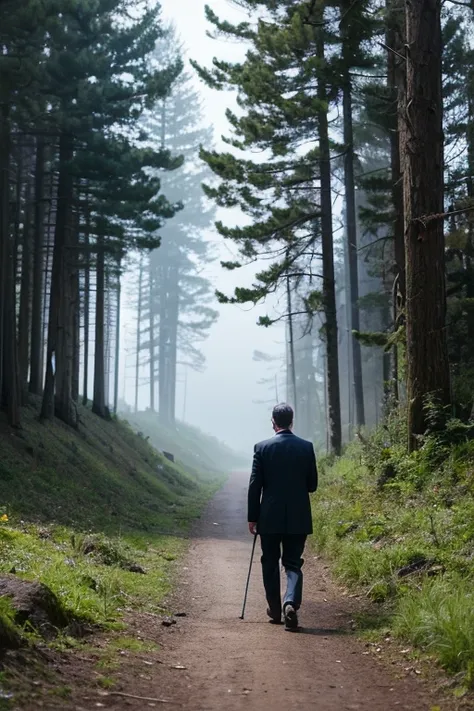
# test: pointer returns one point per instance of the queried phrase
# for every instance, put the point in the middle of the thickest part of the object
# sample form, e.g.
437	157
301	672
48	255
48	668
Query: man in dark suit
283	474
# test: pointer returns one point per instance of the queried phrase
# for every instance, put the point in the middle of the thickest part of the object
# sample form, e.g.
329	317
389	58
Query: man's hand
253	529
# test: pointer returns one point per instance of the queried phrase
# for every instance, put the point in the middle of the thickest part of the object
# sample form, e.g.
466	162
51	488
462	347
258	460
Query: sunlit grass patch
93	586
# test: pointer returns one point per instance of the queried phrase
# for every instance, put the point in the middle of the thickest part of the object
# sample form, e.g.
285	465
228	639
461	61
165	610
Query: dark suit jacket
283	473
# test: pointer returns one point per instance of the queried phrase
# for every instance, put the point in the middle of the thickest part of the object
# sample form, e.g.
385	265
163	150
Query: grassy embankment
187	443
80	511
401	528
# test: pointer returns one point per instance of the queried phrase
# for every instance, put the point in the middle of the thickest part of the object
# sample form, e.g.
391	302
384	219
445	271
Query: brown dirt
210	660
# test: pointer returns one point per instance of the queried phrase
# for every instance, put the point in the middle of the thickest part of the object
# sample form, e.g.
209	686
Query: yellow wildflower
4	518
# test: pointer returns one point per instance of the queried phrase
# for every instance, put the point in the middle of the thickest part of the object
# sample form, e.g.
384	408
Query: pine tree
127	209
178	310
82	111
289	195
82	59
21	63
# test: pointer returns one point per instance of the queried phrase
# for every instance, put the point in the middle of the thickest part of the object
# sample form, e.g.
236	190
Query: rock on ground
35	603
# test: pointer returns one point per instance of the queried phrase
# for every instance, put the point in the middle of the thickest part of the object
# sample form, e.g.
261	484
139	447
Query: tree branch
426	219
394	51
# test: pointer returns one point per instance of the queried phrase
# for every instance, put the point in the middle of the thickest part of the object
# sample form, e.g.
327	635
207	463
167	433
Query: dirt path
232	664
212	661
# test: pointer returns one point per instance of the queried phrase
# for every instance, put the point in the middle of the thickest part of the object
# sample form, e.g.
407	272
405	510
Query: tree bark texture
9	392
351	236
98	404
36	360
329	293
421	150
57	396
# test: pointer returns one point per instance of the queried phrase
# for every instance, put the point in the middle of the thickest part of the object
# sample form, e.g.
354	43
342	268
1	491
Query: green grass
89	588
440	619
79	511
93	590
423	518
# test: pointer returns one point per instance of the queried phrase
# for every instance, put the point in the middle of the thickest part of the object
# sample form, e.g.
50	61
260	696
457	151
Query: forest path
210	660
232	664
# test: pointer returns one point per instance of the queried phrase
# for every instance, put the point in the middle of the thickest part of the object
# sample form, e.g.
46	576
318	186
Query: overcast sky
221	400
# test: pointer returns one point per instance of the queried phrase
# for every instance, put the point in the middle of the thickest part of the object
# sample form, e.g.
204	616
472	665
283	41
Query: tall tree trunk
107	337
421	148
151	321
36	358
48	259
76	315
24	318
164	384
389	364
164	342
395	374
351	236
65	406
17	210
396	83
4	234
327	426
98	404
185	397
329	291
291	343
469	248
57	396
117	338
173	347
139	318
8	343
347	342
76	346
87	300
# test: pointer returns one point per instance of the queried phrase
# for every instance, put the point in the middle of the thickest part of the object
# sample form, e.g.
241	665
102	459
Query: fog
227	398
220	400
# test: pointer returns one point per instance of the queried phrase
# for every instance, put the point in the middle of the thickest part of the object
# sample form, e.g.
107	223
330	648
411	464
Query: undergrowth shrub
103	549
439	618
400	527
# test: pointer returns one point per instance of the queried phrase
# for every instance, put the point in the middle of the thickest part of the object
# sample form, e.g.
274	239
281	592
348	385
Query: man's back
283	474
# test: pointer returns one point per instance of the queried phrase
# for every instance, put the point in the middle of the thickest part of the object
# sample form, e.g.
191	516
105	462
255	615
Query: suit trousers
289	548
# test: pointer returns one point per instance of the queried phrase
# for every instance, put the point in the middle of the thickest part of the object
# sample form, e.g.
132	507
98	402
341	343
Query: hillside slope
188	444
92	524
102	477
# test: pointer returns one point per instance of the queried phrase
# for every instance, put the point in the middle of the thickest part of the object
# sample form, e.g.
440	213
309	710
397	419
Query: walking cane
248	578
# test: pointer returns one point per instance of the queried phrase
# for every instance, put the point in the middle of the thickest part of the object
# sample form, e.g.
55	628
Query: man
279	510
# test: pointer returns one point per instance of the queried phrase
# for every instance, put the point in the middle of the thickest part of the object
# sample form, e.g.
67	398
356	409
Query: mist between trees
350	157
